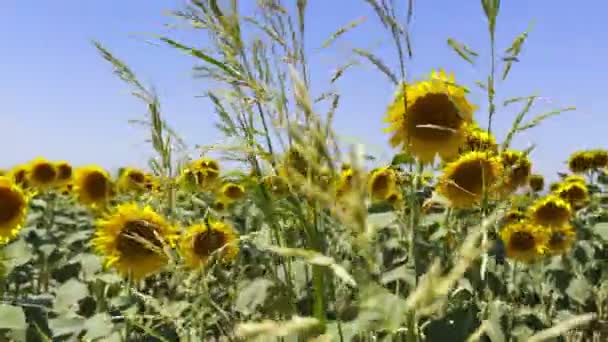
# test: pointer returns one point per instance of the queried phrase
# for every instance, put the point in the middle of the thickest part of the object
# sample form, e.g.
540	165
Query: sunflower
152	183
576	194
187	180
345	182
3	172
18	175
221	204
525	241
93	185
574	179
464	179
131	179
514	215
67	189
561	239
536	182
550	211
436	118
580	161
395	198
517	167
599	159
64	172
232	191
277	185
13	209
203	240
381	183
42	174
478	139
206	172
131	239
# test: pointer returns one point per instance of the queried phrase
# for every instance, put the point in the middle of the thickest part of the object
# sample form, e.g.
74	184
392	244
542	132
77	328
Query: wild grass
313	264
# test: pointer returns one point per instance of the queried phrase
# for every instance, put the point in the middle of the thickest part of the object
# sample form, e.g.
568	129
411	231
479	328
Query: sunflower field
290	234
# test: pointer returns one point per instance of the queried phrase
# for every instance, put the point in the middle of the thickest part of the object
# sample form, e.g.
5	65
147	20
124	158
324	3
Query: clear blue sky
59	99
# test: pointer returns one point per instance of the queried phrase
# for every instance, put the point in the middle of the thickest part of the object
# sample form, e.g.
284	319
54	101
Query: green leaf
91	263
98	326
66	325
252	295
68	295
203	56
462	50
601	229
342	30
16	254
12	317
579	290
378	63
540	118
514	50
402	272
402	158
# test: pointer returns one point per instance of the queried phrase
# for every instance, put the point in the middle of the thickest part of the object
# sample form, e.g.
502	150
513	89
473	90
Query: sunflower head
436	118
514	216
478	139
42	173
232	191
561	239
536	182
277	185
576	194
64	172
382	182
580	161
517	167
131	179
295	160
132	240
346	182
67	189
206	172
13	209
19	176
574	179
550	211
599	158
464	180
395	198
525	241
204	240
221	204
93	185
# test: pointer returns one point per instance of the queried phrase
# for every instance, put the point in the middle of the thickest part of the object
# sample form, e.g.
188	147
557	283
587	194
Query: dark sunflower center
138	238
10	205
436	110
380	184
208	242
551	211
96	185
20	177
64	172
44	173
522	241
470	176
233	191
136	177
537	184
557	239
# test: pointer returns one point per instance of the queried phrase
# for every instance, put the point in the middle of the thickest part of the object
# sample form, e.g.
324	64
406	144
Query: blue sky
59	99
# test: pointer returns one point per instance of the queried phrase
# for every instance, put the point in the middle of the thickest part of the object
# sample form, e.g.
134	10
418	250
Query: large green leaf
12	317
68	295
